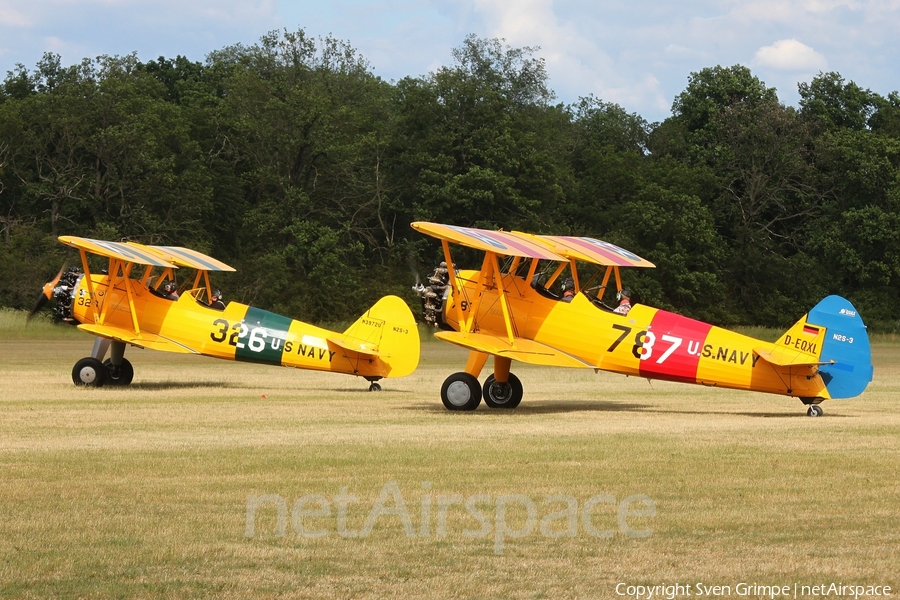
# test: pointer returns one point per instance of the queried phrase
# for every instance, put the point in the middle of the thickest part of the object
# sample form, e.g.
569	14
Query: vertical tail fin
387	330
845	345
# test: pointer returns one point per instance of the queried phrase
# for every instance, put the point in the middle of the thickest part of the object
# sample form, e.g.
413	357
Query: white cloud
790	55
679	52
646	92
10	17
575	63
637	53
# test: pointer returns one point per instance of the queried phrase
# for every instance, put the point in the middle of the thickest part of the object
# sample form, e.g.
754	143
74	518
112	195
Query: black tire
815	411
503	395
375	387
461	392
121	376
89	371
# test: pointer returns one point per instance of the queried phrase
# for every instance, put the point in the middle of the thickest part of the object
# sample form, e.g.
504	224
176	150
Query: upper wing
525	350
128	252
548	247
157	256
506	243
185	257
591	250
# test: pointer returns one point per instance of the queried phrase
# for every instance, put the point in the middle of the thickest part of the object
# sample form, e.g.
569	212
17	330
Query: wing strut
504	301
573	268
90	284
126	271
113	273
456	287
609	270
482	283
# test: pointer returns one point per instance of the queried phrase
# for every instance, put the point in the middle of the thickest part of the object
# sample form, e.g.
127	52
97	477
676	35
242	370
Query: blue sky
638	54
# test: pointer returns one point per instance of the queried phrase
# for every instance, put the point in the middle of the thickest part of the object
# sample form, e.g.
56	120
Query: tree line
292	161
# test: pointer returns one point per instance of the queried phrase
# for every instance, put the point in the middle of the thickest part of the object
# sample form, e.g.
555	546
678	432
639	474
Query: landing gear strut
115	370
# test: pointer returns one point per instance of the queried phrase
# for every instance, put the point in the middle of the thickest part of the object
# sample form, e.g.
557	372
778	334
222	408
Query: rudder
388	330
846	344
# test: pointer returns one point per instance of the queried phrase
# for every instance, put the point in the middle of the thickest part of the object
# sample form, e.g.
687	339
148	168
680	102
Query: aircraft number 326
239	333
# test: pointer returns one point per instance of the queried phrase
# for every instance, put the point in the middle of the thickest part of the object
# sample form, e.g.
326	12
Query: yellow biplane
135	302
515	309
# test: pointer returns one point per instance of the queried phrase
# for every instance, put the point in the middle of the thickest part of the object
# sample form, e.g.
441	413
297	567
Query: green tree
711	91
479	143
676	232
608	161
835	104
306	125
857	160
857	232
886	119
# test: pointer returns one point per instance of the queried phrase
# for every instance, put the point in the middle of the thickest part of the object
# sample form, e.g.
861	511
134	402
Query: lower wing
142	340
523	350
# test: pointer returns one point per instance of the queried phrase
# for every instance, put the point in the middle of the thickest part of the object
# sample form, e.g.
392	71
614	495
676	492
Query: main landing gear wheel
461	392
815	411
89	371
503	395
375	387
121	375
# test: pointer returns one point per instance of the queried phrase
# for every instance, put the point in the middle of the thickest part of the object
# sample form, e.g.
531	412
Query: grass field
143	492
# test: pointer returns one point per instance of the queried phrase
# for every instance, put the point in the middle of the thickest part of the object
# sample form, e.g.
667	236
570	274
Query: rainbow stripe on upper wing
506	243
544	247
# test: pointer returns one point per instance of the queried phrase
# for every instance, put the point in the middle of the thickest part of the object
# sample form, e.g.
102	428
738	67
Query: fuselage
647	342
239	332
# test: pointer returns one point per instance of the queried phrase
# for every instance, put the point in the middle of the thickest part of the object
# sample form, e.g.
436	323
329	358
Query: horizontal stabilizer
784	357
355	344
523	350
142	340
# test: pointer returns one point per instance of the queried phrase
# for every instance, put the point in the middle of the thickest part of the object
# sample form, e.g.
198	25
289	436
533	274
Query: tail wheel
461	392
374	387
89	371
121	375
815	411
503	395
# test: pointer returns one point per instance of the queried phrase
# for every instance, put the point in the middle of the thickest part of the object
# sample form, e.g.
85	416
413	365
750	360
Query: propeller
413	265
46	293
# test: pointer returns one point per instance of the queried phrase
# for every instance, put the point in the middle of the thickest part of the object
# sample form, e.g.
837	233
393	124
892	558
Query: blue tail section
846	343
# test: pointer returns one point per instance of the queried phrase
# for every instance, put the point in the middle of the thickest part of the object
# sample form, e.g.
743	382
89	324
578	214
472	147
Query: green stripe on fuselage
264	340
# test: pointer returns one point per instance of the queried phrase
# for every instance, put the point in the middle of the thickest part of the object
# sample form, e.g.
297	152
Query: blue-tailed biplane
515	310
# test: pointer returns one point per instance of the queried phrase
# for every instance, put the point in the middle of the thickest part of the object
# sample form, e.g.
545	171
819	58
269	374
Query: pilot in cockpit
568	289
624	298
215	300
171	290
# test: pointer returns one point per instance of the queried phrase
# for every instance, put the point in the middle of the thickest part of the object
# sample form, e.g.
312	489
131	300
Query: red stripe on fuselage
668	331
